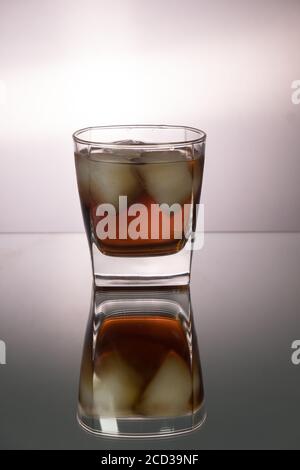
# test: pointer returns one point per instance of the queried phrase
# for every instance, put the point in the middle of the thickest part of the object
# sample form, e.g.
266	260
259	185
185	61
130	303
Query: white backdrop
224	66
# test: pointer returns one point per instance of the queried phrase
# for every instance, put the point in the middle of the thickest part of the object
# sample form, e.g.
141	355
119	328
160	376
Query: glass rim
200	137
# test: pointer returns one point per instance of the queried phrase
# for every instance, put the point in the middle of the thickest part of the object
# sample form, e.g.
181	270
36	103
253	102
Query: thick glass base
167	270
143	427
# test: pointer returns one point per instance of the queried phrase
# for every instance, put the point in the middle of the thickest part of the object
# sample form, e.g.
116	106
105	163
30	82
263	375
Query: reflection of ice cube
169	182
116	386
86	385
170	390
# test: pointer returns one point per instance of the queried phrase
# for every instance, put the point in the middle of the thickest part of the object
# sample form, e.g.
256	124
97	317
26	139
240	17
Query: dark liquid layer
143	366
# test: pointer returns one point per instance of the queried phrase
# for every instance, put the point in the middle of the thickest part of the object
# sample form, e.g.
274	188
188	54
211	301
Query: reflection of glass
139	187
141	372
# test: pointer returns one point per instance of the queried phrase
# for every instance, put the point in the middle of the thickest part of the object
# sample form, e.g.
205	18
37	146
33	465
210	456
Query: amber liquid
143	183
143	247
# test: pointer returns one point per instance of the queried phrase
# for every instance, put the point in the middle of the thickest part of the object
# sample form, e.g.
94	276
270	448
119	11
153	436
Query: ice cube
116	386
131	153
169	391
169	182
128	153
83	176
110	180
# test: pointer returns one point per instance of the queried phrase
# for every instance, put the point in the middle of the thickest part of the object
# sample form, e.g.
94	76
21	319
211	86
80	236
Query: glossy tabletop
245	294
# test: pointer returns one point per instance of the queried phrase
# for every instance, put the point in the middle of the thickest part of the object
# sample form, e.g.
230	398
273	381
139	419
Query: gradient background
225	66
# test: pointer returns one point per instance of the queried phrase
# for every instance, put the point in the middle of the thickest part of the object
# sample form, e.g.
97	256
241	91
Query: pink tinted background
224	66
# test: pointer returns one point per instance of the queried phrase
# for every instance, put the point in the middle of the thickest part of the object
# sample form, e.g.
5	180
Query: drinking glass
139	189
141	372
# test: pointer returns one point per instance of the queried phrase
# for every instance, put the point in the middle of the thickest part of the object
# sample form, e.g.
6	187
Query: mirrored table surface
245	294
